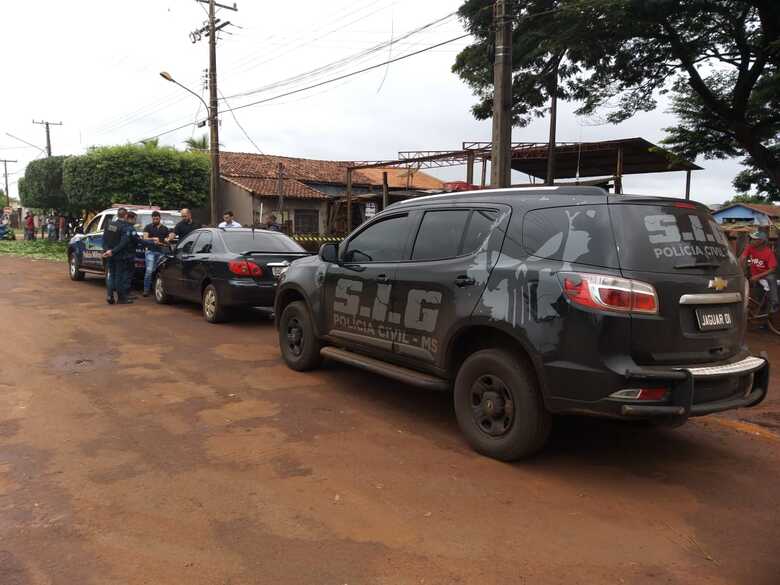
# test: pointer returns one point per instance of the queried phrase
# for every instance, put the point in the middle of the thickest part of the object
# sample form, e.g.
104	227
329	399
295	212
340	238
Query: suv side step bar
376	366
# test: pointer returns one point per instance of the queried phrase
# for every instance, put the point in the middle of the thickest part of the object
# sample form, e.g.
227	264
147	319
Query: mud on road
139	444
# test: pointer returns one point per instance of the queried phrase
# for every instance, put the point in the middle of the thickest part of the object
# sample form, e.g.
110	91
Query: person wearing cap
761	260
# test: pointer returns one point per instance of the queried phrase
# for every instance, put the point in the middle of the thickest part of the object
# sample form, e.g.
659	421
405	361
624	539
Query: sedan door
358	288
195	268
173	269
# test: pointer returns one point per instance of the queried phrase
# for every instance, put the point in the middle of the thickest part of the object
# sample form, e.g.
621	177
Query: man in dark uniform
112	235
120	259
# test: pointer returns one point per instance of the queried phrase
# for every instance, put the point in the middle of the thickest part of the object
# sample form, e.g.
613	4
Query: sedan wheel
160	294
213	311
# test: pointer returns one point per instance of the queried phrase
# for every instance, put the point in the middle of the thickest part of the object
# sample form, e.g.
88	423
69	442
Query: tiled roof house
312	190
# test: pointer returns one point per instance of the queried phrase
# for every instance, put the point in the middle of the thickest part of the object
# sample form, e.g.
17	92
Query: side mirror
329	253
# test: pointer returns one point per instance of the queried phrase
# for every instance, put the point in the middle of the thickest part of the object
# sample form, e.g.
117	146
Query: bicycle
758	309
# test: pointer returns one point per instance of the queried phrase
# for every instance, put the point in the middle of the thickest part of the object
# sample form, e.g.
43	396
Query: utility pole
280	190
501	156
212	28
5	173
48	134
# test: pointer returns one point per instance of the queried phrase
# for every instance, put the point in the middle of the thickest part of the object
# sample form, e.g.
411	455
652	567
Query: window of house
307	221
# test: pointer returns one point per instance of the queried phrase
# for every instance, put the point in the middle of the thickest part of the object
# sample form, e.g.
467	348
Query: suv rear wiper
698	265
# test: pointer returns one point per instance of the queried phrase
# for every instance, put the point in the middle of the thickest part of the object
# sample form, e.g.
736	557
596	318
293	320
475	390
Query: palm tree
201	143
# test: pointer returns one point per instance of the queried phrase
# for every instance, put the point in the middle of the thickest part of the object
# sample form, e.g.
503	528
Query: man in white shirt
229	221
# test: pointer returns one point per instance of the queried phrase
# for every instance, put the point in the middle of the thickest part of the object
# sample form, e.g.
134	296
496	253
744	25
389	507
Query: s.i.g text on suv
532	302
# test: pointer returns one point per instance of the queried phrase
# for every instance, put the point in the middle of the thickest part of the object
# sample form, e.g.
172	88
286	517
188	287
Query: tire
499	407
297	339
213	310
161	296
73	267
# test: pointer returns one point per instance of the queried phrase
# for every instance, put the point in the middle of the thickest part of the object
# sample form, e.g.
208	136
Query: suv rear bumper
688	386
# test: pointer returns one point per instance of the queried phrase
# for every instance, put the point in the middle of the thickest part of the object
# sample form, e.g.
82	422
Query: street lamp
213	148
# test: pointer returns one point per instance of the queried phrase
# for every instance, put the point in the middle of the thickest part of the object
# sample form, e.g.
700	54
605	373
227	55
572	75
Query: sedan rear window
259	241
670	238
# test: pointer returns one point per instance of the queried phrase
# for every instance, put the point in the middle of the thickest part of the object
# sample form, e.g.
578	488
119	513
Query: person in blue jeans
155	234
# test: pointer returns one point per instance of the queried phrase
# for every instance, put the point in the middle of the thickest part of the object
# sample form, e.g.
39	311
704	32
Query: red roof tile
265	166
268	187
239	164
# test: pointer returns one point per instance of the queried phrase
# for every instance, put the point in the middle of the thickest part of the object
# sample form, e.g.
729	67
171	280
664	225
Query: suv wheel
160	294
498	406
213	311
297	340
74	267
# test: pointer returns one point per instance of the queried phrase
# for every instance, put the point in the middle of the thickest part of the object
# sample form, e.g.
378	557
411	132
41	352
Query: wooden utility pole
501	156
687	184
470	168
48	134
280	190
5	174
213	29
385	191
349	200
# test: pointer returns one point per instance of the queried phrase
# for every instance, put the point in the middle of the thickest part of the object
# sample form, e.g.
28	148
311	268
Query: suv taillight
245	268
609	293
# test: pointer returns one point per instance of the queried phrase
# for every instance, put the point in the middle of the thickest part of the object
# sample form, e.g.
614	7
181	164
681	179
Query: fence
312	242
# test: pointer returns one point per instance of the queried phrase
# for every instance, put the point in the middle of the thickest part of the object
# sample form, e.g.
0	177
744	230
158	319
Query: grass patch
37	249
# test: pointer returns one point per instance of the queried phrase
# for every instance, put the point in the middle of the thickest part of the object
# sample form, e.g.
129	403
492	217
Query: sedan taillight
609	293
245	268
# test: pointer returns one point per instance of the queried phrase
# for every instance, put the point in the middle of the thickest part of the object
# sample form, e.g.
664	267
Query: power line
346	60
320	84
346	75
232	113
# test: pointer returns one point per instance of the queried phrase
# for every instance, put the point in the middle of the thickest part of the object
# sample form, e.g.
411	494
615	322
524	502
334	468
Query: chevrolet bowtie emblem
718	283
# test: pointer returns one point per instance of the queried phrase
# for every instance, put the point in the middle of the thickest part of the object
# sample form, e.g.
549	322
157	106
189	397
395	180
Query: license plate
713	319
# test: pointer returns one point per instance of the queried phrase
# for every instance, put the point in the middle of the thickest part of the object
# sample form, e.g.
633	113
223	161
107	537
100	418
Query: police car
533	302
85	250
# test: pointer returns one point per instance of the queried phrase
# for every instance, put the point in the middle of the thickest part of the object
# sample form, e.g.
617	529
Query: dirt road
141	445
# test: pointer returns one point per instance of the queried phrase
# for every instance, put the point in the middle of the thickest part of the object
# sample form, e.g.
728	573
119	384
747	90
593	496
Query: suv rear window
668	238
260	241
580	234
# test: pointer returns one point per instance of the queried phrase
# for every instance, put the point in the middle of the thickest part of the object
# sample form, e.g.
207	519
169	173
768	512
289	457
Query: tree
140	175
201	143
754	180
718	58
745	199
41	186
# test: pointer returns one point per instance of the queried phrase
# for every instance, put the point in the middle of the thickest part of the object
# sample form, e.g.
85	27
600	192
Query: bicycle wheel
773	321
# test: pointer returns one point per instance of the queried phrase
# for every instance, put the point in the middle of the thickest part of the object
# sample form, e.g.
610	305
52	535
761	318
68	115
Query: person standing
29	226
229	222
185	227
113	235
762	263
270	223
154	234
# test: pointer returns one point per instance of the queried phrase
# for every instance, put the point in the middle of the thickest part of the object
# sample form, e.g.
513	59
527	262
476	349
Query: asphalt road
139	444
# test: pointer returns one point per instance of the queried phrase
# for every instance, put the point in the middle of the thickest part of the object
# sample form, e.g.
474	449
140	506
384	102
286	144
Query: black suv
532	302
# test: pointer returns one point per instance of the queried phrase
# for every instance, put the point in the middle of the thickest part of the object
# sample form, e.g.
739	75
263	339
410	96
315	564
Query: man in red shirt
29	227
762	262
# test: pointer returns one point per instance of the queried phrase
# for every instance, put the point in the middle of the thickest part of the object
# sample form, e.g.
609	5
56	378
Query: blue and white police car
85	250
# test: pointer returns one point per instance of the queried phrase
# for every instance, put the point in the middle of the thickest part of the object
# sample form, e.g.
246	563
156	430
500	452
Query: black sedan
225	268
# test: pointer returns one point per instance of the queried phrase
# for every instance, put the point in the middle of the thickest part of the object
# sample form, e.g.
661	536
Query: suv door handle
383	278
463	280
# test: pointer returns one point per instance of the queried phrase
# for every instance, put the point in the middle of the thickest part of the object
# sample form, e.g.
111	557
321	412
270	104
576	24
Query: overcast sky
94	65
